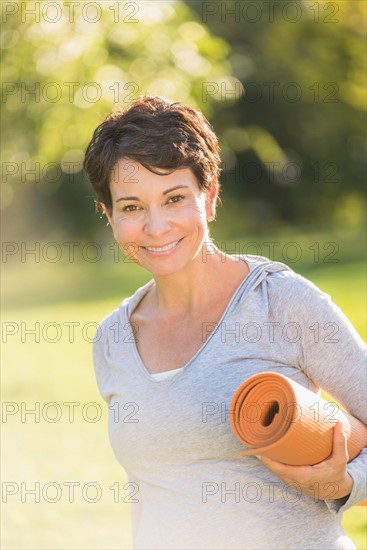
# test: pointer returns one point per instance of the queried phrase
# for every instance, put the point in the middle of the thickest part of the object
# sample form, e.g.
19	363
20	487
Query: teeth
167	247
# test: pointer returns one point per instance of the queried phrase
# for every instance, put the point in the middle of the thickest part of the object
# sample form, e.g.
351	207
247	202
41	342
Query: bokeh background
283	83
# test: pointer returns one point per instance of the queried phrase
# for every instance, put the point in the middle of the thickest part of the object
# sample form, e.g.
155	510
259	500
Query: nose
156	223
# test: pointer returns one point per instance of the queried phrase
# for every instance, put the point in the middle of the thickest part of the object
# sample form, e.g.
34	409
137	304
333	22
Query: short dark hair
158	134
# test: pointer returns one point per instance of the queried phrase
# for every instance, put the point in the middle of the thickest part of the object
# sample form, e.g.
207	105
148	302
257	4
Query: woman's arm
326	480
333	356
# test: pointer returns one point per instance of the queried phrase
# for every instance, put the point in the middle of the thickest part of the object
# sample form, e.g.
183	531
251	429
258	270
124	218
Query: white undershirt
166	374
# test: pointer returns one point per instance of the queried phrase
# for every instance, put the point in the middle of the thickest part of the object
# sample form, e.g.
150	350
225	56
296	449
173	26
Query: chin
164	270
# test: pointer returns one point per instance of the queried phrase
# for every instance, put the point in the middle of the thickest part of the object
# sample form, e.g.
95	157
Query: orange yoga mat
280	419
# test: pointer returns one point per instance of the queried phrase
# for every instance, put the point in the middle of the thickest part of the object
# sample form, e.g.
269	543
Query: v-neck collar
253	263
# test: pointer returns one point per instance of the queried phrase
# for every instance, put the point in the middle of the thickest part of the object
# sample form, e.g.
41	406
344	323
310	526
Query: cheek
194	212
126	229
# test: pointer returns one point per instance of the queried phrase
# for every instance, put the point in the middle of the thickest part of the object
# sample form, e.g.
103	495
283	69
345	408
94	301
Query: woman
169	359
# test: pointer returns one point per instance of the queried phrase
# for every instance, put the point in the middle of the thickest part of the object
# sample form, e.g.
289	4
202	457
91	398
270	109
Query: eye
176	198
129	208
133	207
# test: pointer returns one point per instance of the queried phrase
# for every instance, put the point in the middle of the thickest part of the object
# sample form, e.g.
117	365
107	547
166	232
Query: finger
340	449
278	467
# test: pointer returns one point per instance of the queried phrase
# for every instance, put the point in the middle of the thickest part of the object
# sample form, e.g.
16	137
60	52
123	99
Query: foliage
294	142
64	70
283	86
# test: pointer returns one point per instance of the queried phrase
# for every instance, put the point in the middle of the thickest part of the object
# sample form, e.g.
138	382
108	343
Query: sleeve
334	358
105	369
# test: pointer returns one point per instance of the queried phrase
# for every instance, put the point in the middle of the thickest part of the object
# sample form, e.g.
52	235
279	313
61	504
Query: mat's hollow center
270	412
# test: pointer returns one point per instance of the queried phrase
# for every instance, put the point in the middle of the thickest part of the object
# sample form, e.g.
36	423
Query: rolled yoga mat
280	419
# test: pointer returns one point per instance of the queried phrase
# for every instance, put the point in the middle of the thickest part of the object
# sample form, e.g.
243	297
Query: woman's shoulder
283	282
123	311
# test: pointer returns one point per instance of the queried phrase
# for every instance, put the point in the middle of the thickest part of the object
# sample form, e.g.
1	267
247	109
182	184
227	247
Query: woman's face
159	221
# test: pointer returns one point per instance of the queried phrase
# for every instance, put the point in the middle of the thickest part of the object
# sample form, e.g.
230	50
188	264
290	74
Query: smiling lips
160	249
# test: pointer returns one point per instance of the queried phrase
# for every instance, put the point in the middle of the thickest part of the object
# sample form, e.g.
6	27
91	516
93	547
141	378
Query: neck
189	291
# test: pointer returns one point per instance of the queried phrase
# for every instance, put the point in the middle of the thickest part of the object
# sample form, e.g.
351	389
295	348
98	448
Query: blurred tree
282	82
66	65
294	142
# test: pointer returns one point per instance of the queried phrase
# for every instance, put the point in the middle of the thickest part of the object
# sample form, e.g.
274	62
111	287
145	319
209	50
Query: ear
211	199
106	212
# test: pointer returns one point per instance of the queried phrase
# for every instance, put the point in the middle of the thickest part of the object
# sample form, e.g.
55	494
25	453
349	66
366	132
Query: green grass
38	450
39	373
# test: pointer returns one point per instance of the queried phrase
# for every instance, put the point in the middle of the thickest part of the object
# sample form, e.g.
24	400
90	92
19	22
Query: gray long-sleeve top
188	489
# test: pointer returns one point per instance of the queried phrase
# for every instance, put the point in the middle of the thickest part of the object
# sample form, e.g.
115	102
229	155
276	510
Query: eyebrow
164	193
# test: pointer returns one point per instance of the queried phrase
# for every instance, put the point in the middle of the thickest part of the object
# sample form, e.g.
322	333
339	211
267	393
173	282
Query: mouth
165	249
